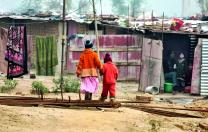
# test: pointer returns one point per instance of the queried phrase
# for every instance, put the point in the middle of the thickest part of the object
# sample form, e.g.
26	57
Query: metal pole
163	25
62	50
96	30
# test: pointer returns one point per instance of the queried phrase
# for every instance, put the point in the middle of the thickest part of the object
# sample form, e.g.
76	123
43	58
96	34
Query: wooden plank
168	107
169	113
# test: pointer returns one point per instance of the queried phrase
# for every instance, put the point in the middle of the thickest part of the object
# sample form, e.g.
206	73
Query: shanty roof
195	27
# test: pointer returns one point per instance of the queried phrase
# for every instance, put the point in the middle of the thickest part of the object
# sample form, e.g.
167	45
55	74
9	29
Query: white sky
170	7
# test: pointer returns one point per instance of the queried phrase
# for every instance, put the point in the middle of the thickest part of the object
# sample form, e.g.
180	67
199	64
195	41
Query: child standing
110	75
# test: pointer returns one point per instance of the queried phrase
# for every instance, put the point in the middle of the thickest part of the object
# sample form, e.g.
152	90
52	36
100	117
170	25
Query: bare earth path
40	119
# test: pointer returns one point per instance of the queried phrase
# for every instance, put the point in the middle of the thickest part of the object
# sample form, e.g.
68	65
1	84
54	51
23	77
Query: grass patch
39	87
70	85
8	85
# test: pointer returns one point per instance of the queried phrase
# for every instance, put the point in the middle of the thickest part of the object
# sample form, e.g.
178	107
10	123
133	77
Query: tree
120	7
83	8
203	5
36	5
135	7
68	5
55	5
39	5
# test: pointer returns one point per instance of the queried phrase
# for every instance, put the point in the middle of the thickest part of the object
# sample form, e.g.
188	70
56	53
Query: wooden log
60	103
167	107
3	98
168	113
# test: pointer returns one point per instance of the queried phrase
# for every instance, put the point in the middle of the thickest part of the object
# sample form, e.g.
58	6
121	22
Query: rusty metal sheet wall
124	49
151	64
196	72
3	42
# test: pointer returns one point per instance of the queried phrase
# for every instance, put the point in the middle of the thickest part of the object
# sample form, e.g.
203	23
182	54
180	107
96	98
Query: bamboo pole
62	50
101	9
96	30
144	19
163	17
162	43
152	18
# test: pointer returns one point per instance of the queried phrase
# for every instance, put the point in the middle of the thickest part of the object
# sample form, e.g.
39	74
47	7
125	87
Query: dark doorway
179	43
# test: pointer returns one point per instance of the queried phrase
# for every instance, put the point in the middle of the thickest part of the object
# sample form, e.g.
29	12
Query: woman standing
181	71
87	68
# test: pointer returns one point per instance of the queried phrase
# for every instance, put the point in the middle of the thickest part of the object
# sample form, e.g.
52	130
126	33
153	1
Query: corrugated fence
124	49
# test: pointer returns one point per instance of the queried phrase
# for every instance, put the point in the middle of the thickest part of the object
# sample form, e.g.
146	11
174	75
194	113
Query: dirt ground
41	119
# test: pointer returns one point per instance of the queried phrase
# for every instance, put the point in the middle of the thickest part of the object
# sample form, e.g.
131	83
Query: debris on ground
145	97
187	126
142	113
203	126
155	125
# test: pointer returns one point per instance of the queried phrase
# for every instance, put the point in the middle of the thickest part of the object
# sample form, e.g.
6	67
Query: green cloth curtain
46	52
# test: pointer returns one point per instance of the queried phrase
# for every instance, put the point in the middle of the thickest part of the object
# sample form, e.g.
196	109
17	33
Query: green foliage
39	87
8	85
70	85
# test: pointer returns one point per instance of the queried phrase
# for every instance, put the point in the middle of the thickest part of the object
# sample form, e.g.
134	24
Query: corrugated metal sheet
151	64
124	49
204	68
196	71
3	42
193	43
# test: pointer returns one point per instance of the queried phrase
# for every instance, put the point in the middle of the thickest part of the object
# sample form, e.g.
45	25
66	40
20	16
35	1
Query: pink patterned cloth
89	84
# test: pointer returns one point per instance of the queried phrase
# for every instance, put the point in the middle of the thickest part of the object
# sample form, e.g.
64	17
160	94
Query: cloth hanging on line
46	51
16	51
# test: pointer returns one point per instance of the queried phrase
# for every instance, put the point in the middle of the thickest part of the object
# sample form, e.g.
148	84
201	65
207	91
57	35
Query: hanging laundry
30	52
16	52
46	51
